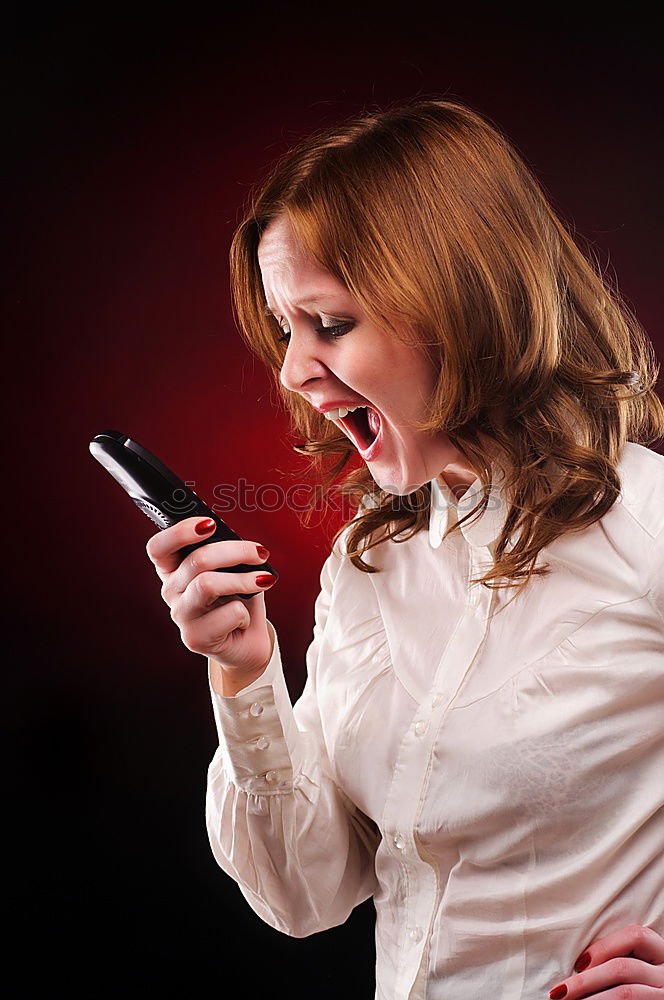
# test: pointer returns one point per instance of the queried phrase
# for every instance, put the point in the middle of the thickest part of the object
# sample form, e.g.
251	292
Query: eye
327	331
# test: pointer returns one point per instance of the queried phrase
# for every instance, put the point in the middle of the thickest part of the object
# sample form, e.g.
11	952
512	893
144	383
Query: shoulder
340	547
642	494
617	554
641	472
337	565
342	575
639	511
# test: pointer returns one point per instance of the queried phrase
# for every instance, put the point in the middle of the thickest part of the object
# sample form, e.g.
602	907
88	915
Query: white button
416	934
256	709
262	743
438	698
399	842
421	727
271	776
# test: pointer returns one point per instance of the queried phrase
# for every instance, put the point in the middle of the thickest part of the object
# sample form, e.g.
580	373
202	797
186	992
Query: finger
207	589
211	634
211	557
614	972
163	547
643	942
635	993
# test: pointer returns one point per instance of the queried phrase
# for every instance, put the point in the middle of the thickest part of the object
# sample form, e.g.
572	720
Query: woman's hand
625	965
229	630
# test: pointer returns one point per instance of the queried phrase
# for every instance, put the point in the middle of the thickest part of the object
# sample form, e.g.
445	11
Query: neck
459	474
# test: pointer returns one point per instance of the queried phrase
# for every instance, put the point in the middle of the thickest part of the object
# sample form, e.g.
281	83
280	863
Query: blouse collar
446	510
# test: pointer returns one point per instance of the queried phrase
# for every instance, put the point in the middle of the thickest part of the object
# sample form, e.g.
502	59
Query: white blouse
496	785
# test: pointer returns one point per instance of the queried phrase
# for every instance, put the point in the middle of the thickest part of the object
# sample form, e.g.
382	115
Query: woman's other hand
625	965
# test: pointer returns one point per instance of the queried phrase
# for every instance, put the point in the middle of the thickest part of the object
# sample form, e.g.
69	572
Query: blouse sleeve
300	851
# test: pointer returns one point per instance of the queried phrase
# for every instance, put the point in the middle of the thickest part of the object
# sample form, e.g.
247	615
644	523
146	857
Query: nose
301	364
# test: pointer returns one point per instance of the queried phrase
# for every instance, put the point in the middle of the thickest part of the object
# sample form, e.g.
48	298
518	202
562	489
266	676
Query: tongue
373	420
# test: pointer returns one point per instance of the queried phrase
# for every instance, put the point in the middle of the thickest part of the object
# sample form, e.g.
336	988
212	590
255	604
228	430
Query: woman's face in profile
362	364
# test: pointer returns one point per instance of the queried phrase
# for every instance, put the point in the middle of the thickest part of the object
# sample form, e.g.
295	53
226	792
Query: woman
479	744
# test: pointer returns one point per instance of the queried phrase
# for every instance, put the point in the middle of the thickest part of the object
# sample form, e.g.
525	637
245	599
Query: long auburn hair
429	216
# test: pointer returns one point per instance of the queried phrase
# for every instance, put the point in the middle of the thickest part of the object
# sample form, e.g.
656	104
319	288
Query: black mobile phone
161	495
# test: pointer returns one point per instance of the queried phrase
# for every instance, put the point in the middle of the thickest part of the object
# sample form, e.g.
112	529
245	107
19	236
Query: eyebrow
311	300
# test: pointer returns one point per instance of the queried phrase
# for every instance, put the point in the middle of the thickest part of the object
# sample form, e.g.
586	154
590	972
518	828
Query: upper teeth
342	411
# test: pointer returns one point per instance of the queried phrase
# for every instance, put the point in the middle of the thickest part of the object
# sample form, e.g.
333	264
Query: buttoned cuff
258	736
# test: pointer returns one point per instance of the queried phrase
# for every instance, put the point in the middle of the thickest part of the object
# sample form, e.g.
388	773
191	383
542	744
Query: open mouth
363	426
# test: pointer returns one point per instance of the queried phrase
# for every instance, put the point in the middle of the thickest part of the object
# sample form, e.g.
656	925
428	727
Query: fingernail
262	552
558	992
582	962
265	580
204	527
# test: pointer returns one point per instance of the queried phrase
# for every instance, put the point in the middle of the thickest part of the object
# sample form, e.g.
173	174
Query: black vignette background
133	141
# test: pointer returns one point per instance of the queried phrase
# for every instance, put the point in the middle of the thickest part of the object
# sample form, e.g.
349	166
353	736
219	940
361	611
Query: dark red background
134	141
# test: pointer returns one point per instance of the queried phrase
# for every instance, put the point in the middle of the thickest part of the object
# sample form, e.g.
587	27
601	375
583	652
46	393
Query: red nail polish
262	552
558	992
582	962
205	527
265	579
